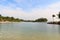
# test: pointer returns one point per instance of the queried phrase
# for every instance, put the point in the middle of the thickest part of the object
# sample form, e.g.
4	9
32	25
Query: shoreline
2	22
54	23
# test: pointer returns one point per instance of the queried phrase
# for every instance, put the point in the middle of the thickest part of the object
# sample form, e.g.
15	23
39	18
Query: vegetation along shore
9	19
55	22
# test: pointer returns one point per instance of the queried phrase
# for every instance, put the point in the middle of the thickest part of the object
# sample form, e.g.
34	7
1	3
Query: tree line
37	20
53	16
10	19
55	22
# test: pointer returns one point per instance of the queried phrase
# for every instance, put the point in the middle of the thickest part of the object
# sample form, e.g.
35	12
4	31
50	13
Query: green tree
59	15
53	17
41	20
0	17
11	19
59	18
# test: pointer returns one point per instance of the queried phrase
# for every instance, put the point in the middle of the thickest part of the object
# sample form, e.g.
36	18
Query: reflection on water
29	31
59	29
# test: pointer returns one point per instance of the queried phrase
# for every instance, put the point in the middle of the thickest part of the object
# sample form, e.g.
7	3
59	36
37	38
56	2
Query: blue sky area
29	9
27	4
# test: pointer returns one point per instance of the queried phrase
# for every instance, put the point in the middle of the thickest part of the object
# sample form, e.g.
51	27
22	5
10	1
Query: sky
30	9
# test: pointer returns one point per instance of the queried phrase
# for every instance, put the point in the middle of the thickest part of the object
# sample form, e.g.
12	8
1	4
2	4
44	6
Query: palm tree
0	17
53	17
59	15
59	18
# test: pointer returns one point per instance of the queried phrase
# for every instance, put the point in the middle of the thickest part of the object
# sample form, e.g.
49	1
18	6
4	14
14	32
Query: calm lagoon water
29	31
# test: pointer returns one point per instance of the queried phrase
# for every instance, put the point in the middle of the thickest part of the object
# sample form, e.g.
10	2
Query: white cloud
34	14
47	12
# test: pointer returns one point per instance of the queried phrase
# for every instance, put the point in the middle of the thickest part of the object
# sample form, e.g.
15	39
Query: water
29	31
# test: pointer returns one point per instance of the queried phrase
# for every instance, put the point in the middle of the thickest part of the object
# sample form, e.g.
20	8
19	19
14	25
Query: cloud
33	14
46	12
